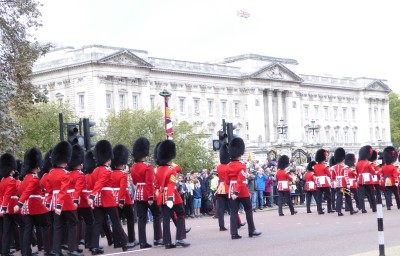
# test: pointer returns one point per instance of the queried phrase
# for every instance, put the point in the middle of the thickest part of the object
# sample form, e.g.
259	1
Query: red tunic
309	180
31	200
102	187
389	175
143	177
120	186
352	176
236	178
365	171
223	187
338	176
283	177
166	182
60	189
10	195
79	183
323	175
375	176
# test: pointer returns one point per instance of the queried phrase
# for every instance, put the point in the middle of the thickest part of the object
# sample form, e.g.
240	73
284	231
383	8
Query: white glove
170	204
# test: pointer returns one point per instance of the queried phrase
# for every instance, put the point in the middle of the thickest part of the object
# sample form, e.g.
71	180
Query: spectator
268	189
189	206
197	198
260	179
251	184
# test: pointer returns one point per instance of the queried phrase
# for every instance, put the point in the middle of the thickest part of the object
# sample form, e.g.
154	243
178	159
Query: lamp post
282	129
167	114
313	129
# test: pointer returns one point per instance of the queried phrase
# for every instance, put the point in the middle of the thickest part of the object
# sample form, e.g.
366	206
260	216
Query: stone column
288	115
270	117
280	110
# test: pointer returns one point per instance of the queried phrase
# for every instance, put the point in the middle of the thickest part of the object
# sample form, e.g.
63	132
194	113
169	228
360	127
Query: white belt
107	188
339	177
116	189
86	191
14	197
35	196
56	191
233	181
140	184
70	190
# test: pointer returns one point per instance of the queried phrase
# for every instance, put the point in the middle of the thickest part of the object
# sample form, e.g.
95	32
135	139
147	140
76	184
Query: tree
394	111
19	49
42	128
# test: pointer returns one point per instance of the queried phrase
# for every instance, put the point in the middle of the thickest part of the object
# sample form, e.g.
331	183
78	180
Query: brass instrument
345	191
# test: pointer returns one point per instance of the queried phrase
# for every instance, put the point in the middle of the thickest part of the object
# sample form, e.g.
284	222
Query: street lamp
282	129
313	129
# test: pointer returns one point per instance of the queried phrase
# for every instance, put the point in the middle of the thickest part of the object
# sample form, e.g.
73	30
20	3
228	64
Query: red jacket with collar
120	185
223	187
10	195
309	179
323	175
143	177
283	178
390	175
338	175
166	181
102	190
31	199
365	171
236	178
60	189
79	183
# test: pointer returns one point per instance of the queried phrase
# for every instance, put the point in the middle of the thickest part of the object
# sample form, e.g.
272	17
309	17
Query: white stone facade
255	92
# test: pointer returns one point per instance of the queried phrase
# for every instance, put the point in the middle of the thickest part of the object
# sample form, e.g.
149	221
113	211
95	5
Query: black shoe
254	233
373	210
170	246
389	208
128	247
331	211
320	213
182	243
64	247
353	212
145	245
242	224
158	242
293	213
117	246
82	242
97	251
309	211
236	236
364	211
340	214
223	229
281	214
110	242
188	230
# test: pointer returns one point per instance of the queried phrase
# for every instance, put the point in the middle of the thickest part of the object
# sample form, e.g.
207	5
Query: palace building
275	109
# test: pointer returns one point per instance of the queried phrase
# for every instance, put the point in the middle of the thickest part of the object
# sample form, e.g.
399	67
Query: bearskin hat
310	166
224	154
332	161
89	163
77	156
166	151
32	159
236	148
320	155
141	148
121	156
373	156
339	154
155	156
389	155
7	164
103	152
62	153
350	160
365	152
283	162
47	162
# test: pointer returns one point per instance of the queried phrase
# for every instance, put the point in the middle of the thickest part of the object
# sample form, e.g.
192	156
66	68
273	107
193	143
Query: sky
343	38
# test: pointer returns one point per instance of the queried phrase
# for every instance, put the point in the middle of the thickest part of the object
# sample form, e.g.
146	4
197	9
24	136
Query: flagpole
167	114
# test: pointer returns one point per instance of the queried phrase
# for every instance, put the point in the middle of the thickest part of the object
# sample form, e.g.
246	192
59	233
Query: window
210	104
326	112
354	136
294	104
247	126
60	101
237	109
81	101
382	115
196	103
152	102
122	101
182	105
353	114
306	111
134	102
370	114
345	114
108	100
223	107
335	114
376	114
346	136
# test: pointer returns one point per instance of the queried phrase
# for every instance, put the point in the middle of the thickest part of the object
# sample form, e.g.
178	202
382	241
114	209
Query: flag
168	122
243	14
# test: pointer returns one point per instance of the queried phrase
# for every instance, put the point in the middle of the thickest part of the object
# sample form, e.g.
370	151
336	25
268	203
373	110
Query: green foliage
394	110
42	128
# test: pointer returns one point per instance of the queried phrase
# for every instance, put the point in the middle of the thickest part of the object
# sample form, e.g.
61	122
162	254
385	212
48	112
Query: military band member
323	181
284	179
9	194
350	165
236	178
365	171
375	178
102	199
390	176
332	163
309	186
120	187
169	197
143	177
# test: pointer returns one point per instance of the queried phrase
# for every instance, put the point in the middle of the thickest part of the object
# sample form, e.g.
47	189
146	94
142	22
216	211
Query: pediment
378	86
125	58
276	71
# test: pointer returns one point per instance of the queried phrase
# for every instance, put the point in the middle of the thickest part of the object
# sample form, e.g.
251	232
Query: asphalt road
300	234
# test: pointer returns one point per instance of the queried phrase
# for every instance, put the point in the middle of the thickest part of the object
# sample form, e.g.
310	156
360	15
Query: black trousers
366	190
327	192
222	204
142	209
309	194
69	220
86	215
246	202
43	222
180	223
378	193
282	196
339	200
118	232
10	221
388	196
354	192
333	198
127	211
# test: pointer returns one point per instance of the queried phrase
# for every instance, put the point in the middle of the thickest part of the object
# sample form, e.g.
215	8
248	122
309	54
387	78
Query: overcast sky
353	38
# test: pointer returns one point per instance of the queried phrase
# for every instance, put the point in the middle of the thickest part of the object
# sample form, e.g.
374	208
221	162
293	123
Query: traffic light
87	134
230	127
73	134
221	139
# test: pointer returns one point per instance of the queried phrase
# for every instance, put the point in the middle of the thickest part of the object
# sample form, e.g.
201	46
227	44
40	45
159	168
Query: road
300	234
